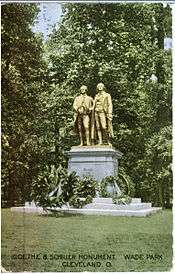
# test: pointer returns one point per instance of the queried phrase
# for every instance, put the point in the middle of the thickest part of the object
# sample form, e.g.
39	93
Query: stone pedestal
95	161
98	162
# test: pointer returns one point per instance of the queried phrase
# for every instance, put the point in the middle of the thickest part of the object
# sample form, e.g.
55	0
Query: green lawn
150	238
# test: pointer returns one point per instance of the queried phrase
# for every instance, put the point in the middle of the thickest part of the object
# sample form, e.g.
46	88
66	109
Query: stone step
118	207
102	201
119	211
123	212
136	200
109	200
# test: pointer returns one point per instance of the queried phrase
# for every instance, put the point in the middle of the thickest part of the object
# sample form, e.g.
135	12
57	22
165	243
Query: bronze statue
103	115
82	106
93	118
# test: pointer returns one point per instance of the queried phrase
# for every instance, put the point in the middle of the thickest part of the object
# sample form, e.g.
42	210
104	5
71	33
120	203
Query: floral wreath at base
118	198
121	199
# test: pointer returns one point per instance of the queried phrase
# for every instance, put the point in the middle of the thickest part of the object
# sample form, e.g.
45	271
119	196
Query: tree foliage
122	46
23	74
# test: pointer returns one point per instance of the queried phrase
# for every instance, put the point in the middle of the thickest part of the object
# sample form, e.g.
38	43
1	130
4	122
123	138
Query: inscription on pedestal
87	172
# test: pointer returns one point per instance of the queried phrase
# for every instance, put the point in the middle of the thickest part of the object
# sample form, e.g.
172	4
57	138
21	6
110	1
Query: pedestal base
95	161
105	206
99	206
98	162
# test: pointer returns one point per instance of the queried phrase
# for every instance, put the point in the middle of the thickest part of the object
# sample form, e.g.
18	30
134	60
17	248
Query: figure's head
83	89
100	87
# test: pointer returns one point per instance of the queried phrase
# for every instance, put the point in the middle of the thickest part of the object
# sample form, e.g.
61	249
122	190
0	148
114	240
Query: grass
50	237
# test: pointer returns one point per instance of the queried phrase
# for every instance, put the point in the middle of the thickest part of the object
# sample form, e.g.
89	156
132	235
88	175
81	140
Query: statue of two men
93	118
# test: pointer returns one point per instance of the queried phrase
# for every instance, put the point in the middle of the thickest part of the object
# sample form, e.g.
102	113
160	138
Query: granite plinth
95	161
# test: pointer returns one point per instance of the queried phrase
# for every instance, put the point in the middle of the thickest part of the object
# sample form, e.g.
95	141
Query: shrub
55	187
83	192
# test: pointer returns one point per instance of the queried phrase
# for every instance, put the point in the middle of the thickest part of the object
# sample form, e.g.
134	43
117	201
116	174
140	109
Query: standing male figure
83	106
103	114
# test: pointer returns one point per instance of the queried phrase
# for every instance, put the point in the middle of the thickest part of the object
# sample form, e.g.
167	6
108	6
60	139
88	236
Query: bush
55	187
83	192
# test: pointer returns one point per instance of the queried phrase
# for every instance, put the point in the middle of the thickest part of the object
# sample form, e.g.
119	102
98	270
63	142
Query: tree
23	75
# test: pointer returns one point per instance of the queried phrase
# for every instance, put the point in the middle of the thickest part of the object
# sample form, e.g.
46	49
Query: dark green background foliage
118	44
23	74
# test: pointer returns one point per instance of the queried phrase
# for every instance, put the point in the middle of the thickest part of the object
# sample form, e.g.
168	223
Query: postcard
87	136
